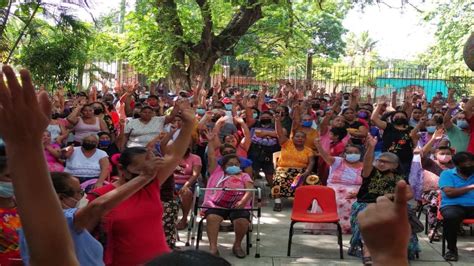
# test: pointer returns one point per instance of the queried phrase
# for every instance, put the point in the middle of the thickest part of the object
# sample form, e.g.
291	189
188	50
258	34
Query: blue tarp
430	86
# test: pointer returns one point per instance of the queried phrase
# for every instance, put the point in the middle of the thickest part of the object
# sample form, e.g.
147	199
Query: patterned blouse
9	242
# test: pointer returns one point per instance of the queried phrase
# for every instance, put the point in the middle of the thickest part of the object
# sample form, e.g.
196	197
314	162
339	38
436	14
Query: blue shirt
89	251
450	178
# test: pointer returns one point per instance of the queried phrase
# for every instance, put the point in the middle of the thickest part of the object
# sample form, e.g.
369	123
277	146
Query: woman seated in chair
294	166
344	178
379	179
229	175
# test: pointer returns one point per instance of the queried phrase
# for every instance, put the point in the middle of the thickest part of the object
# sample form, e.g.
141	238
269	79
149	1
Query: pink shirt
184	171
326	141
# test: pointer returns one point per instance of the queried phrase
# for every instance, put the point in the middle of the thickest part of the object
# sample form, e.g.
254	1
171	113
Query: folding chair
198	211
326	198
439	222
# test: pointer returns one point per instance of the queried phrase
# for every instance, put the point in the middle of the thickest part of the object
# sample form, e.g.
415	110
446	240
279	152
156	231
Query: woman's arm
369	156
324	125
63	135
376	119
211	153
247	196
217	130
73	117
309	168
247	139
47	234
323	153
104	172
165	140
89	216
103	125
181	144
428	148
55	151
194	176
282	138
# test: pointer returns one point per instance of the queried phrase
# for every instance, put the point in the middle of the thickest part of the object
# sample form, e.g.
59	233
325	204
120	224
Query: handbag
415	223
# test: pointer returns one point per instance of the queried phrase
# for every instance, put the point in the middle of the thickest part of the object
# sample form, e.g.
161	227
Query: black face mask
439	120
136	115
98	111
265	122
466	170
89	146
400	121
55	116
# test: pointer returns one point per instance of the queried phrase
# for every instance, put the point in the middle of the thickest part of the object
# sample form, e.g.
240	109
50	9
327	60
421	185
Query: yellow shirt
292	158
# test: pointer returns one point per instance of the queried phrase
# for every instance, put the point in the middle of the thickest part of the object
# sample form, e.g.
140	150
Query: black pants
453	216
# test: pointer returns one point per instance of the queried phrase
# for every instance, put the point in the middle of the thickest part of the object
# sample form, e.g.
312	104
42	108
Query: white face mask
83	202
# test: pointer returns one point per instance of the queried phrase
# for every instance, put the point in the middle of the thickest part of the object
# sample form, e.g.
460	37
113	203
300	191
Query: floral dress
9	241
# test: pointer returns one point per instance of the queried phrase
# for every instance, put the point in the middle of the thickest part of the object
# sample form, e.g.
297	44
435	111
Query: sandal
238	252
434	236
451	256
277	207
181	226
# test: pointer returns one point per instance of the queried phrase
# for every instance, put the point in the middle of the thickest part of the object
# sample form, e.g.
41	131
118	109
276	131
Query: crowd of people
122	163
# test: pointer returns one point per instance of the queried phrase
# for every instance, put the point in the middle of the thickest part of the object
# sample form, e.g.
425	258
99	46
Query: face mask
6	189
431	129
400	121
462	124
444	158
200	111
428	110
265	121
136	115
362	115
55	116
353	157
75	205
233	170
83	202
255	115
105	143
228	107
307	123
89	146
98	111
466	170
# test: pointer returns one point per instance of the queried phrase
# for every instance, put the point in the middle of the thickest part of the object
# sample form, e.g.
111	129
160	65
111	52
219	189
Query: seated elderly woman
379	179
88	162
227	174
344	178
294	166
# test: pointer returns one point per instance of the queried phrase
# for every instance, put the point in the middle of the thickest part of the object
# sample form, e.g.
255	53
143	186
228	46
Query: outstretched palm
23	117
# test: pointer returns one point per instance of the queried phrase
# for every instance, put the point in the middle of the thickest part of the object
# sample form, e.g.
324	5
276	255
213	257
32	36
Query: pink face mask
444	158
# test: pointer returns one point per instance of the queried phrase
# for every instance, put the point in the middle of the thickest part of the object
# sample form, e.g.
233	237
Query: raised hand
23	117
188	114
387	246
439	133
371	141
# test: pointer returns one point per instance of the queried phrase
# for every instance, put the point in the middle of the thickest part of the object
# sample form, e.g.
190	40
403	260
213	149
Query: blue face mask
228	107
307	123
255	115
431	129
463	124
200	111
6	189
104	143
233	170
428	110
353	157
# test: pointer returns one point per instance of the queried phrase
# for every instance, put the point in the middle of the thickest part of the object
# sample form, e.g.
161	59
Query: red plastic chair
439	222
326	198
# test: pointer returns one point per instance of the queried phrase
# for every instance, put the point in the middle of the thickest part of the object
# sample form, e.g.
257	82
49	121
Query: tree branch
238	26
207	34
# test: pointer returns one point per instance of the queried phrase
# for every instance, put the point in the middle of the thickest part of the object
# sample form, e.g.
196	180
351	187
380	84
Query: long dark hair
128	154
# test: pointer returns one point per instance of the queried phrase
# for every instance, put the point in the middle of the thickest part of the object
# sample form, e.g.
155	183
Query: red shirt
134	228
470	147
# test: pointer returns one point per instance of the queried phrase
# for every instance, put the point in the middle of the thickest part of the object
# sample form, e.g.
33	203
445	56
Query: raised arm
211	151
42	218
376	118
282	138
73	117
447	117
324	125
89	216
427	149
323	153
181	144
369	156
246	140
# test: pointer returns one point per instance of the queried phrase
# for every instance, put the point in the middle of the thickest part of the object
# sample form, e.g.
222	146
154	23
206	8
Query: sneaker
451	256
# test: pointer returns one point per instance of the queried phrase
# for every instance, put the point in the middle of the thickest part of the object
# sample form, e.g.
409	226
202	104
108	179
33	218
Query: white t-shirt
81	166
141	134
